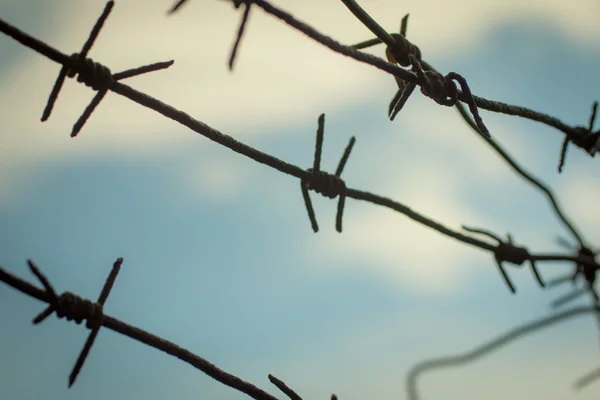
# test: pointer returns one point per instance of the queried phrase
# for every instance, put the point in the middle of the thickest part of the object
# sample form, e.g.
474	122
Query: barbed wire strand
493	345
324	183
506	251
140	335
576	134
263	158
400	100
254	154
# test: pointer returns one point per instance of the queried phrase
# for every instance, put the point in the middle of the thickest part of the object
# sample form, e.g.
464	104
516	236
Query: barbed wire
73	66
440	88
74	307
579	135
407	47
493	345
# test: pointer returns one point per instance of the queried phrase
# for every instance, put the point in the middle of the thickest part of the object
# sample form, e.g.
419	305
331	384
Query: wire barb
506	251
75	308
587	139
444	92
324	183
92	74
433	84
587	272
284	388
240	33
397	53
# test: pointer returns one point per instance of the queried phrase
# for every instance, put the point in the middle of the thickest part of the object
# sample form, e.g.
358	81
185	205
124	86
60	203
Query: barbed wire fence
400	53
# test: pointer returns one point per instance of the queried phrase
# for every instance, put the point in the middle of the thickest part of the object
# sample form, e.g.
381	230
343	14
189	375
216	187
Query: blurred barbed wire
400	53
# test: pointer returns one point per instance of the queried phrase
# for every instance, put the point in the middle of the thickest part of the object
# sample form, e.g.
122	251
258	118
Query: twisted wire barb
506	251
405	90
588	273
398	54
443	91
71	310
92	74
79	65
495	344
574	133
433	84
324	183
74	308
581	136
263	158
589	140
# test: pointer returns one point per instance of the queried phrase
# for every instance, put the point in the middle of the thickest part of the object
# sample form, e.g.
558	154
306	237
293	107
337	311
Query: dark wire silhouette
440	88
262	158
405	90
496	344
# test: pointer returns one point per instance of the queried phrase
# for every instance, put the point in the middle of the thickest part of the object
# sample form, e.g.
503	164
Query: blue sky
219	254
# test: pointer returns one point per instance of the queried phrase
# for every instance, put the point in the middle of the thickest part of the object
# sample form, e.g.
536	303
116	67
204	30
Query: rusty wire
263	158
328	185
578	135
72	311
585	140
99	78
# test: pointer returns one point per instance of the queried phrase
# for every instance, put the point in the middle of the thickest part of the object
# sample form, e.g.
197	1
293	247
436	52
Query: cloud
215	179
281	77
583	194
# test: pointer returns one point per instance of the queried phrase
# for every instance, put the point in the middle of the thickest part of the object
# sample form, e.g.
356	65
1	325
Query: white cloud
215	179
583	195
281	77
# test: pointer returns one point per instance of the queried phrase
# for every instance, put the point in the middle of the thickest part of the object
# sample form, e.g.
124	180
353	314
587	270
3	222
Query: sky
219	255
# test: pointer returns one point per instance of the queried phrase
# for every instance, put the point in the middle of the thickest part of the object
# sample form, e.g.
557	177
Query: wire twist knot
587	272
91	73
329	185
506	251
75	308
400	52
583	137
434	85
324	183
